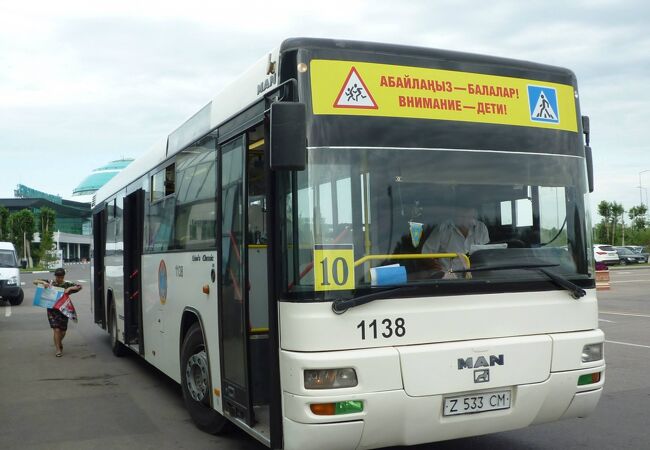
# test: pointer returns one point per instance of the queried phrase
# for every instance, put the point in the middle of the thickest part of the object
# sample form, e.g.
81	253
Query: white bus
280	255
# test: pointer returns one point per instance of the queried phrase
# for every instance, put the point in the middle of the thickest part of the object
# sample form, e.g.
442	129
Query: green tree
637	216
22	225
605	211
600	233
617	211
46	220
4	224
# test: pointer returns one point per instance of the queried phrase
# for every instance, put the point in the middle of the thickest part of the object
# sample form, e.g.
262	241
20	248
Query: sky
84	83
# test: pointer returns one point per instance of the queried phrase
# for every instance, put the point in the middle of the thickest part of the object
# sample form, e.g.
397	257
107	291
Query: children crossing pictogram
542	101
355	93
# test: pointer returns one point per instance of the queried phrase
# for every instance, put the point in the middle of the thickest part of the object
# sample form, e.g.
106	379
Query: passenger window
524	208
160	213
195	210
163	183
506	213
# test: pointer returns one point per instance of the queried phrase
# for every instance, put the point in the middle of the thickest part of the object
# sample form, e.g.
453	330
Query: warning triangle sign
544	109
355	93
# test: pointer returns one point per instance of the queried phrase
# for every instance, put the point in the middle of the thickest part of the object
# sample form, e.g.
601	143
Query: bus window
163	183
159	219
524	208
506	213
195	207
553	216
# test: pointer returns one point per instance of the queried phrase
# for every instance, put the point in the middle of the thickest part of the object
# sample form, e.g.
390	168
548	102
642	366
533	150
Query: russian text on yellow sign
483	105
333	268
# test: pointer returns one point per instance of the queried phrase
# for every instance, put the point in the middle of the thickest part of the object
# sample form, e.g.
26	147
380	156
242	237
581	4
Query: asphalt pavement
89	399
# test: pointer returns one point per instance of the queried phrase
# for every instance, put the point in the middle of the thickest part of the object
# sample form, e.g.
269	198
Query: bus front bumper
393	418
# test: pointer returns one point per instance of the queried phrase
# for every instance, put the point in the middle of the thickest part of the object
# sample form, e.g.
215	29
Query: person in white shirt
456	235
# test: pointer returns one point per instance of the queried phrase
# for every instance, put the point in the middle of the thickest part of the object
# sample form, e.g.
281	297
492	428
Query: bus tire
196	384
18	299
117	347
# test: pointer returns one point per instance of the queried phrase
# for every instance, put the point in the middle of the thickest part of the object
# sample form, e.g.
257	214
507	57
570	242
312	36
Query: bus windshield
368	217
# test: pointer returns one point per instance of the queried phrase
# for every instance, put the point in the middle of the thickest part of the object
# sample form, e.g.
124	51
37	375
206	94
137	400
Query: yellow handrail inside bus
463	256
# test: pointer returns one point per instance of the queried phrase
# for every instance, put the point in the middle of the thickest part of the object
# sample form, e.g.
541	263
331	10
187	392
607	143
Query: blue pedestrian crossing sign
542	101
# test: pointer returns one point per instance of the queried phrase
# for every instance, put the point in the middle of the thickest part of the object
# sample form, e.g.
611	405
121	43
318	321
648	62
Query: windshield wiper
576	291
340	305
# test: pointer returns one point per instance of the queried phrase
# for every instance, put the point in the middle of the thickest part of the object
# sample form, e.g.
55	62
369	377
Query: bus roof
422	52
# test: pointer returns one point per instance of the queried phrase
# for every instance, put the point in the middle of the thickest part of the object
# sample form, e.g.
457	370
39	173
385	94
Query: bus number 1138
390	328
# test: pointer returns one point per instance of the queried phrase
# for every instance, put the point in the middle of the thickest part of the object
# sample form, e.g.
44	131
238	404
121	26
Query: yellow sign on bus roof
370	89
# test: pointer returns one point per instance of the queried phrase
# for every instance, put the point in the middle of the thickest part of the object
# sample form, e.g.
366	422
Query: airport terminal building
73	224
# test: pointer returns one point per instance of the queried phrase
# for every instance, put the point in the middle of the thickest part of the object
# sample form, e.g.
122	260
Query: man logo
481	361
482	376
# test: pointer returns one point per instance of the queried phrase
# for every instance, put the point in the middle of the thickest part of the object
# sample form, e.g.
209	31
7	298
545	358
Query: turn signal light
323	409
335	409
590	378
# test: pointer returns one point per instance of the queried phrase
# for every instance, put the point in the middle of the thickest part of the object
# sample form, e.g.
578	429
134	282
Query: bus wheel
116	346
196	385
18	299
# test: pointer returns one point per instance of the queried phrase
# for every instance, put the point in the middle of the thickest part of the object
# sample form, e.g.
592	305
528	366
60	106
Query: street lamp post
641	185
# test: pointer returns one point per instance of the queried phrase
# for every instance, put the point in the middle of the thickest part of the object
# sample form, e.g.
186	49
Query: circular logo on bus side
162	282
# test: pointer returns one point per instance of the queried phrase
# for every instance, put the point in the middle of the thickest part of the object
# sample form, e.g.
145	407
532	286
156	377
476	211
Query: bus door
99	243
134	223
233	299
258	272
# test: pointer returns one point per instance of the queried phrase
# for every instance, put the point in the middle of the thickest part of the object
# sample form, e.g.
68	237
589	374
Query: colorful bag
46	297
64	304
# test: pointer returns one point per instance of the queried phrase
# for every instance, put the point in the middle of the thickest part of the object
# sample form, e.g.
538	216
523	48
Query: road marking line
605	320
627	343
82	281
624	314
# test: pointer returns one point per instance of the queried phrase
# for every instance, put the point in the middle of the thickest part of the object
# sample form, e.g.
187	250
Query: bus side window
160	214
195	207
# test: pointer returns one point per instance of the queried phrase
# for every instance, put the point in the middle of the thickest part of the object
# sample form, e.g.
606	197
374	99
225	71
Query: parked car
606	254
10	274
639	249
627	256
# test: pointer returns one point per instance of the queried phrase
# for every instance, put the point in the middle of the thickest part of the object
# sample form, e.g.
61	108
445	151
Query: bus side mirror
588	158
288	147
590	168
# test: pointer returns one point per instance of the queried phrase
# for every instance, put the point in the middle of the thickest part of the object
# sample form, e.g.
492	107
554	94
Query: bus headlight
12	281
592	352
330	378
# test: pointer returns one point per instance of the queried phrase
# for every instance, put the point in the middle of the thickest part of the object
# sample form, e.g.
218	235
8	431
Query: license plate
475	403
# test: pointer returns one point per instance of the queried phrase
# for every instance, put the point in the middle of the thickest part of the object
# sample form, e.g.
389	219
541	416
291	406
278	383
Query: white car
606	254
10	275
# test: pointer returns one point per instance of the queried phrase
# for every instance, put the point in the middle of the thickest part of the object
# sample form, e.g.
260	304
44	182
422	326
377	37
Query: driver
456	235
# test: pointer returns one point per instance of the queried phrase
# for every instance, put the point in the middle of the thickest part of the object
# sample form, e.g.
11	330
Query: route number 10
333	267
